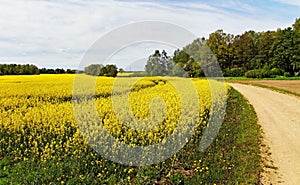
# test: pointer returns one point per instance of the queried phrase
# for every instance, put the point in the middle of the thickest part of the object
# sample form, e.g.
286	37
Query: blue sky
58	33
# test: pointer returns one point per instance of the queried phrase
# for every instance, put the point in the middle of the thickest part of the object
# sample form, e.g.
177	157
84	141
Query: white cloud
57	33
291	2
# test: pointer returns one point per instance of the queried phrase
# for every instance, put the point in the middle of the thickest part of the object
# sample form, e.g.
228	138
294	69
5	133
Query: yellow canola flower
37	117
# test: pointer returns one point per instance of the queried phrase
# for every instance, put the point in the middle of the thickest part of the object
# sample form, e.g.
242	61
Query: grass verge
234	157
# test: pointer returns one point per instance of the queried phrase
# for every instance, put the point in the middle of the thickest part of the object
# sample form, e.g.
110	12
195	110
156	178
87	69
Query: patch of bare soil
289	85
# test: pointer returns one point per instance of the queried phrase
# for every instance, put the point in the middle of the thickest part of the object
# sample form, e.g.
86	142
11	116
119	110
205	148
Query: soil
290	85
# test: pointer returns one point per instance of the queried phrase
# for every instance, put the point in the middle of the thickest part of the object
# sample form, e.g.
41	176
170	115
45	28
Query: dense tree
71	71
56	71
181	57
100	70
265	41
265	54
187	61
43	71
93	69
221	45
245	50
109	71
60	71
18	69
181	60
159	64
178	70
296	40
284	54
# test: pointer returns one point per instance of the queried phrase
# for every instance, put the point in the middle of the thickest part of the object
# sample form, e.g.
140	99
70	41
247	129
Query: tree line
57	71
101	70
251	54
29	69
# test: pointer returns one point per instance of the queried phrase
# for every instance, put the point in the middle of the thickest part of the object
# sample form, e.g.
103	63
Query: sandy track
279	116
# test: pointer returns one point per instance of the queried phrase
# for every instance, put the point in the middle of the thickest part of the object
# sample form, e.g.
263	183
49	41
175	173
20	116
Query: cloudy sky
54	33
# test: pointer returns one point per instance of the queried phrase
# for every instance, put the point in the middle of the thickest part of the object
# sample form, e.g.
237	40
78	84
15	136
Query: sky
57	34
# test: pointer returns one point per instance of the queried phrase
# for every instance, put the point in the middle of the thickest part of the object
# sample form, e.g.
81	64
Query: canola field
49	133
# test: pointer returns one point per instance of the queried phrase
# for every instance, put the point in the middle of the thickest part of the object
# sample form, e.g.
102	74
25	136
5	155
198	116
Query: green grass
233	158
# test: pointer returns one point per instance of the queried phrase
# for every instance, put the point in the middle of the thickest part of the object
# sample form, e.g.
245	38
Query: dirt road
279	116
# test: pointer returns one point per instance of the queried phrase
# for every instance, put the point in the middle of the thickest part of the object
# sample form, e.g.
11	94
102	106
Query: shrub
235	72
276	72
287	74
254	73
264	73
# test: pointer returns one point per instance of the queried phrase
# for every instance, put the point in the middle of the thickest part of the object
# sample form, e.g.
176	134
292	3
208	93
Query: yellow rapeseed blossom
37	117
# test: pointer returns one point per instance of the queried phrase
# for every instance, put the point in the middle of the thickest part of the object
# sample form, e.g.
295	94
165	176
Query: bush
265	73
235	72
254	74
276	72
287	74
199	73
